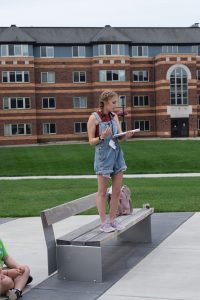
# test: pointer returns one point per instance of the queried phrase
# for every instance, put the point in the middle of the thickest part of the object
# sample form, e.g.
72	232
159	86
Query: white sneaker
14	294
115	224
106	227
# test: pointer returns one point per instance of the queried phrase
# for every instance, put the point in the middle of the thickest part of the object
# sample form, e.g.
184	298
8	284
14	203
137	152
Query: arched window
179	86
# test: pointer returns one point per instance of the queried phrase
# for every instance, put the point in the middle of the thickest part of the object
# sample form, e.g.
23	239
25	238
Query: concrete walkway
170	270
94	176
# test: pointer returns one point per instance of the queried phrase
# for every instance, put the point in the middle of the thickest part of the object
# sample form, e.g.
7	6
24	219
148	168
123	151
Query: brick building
51	78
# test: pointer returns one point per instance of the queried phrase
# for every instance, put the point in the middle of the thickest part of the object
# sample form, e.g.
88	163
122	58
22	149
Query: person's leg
19	284
21	280
101	196
6	283
116	188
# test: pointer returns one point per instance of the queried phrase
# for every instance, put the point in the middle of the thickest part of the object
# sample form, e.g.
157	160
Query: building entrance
179	127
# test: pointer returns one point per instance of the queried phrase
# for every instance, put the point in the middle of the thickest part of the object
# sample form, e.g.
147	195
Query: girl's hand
13	273
128	135
106	132
21	269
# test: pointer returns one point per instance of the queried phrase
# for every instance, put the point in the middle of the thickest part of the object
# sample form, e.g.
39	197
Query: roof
110	34
107	34
15	34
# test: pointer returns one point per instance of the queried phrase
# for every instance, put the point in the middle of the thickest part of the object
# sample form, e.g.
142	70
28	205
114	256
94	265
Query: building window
48	102
17	129
198	124
79	76
141	76
49	128
15	76
46	51
80	127
198	99
170	49
47	77
178	87
198	74
142	125
16	103
196	49
140	100
111	75
14	50
80	102
121	101
139	50
78	51
111	49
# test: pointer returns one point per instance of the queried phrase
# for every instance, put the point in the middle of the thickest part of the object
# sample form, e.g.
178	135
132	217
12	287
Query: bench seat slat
69	237
90	234
128	222
93	234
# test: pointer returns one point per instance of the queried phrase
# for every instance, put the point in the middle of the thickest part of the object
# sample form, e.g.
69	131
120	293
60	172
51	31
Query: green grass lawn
150	156
29	197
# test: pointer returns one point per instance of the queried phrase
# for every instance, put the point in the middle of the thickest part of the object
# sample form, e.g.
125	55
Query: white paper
125	132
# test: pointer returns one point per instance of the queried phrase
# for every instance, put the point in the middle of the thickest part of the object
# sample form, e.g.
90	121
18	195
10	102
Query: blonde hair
104	97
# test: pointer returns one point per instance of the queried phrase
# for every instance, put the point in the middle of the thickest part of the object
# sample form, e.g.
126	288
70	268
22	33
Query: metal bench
78	255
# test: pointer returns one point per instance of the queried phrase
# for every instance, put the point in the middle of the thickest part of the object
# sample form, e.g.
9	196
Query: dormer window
14	50
111	49
46	51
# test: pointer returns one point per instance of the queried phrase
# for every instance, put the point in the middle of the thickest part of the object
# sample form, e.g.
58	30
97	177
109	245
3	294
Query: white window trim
9	101
142	51
10	129
108	55
118	71
43	125
48	77
143	101
8	76
46	52
120	100
80	101
142	75
48	103
168	49
144	123
79	77
171	69
79	56
15	55
81	132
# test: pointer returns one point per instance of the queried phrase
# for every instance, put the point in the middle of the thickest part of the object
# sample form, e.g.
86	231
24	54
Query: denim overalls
108	161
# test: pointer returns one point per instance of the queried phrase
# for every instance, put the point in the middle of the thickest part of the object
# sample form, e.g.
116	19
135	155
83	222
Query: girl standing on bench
109	160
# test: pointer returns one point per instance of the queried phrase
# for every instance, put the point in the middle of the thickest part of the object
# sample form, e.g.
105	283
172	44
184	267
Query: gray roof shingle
15	34
110	34
87	35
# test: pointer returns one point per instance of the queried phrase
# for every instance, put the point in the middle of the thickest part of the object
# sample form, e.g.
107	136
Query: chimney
195	25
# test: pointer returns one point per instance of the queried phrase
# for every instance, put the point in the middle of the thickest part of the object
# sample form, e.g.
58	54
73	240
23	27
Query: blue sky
122	13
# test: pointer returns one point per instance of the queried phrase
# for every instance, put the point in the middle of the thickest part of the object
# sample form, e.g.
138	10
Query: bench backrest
58	213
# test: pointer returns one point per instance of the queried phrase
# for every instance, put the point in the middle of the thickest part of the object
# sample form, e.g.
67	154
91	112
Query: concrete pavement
94	176
166	269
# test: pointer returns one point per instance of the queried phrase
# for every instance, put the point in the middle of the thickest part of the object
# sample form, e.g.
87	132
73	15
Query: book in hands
125	132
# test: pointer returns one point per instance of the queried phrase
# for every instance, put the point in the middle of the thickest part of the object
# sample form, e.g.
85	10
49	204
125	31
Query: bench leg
139	233
79	263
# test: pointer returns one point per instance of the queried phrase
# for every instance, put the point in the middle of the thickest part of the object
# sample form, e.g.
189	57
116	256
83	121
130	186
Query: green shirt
3	253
